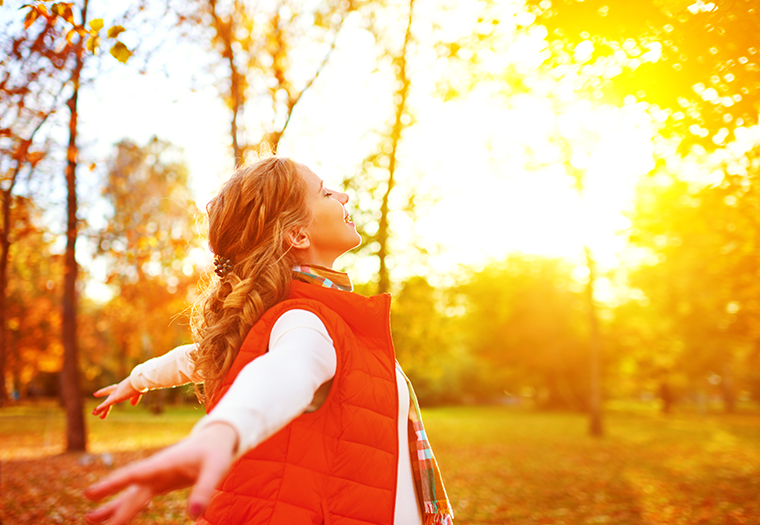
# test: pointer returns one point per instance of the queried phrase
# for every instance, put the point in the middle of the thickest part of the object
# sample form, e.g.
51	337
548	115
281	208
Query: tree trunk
595	400
76	438
224	31
727	387
4	247
666	396
400	97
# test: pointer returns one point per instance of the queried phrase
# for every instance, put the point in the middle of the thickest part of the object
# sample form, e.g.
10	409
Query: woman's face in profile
331	232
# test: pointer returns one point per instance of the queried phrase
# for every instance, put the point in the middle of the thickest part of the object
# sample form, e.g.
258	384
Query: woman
309	415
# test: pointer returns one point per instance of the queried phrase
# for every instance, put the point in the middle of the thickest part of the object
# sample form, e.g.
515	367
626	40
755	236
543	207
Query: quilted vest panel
336	465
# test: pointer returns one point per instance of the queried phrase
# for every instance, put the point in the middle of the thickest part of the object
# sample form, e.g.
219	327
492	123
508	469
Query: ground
502	465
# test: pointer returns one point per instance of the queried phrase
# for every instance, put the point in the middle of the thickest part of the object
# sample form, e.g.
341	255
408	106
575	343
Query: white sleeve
277	387
174	368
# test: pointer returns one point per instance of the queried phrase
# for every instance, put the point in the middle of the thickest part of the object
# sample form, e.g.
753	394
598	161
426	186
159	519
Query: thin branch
292	103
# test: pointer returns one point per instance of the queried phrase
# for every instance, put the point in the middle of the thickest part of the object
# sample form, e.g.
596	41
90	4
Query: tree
701	274
31	92
32	303
146	243
74	44
378	178
270	57
698	60
427	344
524	321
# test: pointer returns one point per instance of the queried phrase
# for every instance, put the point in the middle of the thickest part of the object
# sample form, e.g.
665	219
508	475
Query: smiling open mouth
347	219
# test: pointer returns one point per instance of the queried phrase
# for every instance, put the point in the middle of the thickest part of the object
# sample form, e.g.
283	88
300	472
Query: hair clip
222	266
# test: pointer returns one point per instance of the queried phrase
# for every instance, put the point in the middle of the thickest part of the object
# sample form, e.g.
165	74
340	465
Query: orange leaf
115	31
31	16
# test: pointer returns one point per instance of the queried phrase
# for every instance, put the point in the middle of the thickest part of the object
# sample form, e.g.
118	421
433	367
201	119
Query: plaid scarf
322	276
427	476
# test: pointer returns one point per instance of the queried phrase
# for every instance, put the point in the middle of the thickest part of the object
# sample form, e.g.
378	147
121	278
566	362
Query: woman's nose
342	197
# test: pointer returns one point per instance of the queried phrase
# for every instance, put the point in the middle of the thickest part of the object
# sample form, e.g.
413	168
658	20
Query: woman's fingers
117	481
133	501
122	509
116	394
211	473
103	513
106	390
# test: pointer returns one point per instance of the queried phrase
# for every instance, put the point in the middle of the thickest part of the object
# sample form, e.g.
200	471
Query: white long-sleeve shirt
277	387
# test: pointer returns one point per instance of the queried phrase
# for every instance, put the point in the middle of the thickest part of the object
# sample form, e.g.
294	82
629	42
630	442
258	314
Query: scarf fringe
439	519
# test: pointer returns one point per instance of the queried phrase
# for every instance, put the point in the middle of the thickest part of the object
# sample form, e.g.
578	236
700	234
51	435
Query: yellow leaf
115	31
96	25
92	44
120	52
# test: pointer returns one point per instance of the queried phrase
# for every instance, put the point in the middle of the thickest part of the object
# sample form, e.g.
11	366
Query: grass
501	465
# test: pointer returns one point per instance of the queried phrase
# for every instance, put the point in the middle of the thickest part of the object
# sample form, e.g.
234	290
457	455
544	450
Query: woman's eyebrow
321	186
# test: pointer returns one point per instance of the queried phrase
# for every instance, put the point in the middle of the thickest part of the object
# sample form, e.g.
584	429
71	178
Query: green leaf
120	52
96	24
115	31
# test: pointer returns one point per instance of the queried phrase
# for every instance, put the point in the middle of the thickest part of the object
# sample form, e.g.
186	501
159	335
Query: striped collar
323	276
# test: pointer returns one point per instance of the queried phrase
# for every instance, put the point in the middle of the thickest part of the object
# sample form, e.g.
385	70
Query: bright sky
499	175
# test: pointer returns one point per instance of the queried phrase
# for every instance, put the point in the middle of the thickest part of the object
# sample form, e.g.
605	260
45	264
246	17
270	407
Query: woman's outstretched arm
268	393
174	368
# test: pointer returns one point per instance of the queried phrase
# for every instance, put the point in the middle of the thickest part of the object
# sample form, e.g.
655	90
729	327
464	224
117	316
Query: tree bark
400	97
224	31
4	248
595	400
76	437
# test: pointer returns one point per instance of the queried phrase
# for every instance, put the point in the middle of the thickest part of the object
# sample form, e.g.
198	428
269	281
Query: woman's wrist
221	433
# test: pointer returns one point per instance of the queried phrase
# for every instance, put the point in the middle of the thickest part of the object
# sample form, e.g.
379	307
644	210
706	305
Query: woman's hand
200	460
116	394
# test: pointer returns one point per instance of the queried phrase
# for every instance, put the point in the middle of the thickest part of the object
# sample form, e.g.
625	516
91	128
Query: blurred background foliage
682	327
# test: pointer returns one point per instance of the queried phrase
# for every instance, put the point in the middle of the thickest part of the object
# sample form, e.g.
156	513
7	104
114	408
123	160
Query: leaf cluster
91	38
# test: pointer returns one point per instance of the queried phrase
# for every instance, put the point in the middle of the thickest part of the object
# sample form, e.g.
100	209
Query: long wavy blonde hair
249	223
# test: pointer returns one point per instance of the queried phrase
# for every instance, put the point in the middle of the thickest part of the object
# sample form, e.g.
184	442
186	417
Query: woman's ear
299	239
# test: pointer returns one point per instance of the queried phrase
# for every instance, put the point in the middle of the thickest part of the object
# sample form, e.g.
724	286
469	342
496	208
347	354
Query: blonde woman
310	419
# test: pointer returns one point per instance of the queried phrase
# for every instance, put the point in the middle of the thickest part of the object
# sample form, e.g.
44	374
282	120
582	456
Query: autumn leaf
92	44
120	52
96	24
63	10
115	31
31	16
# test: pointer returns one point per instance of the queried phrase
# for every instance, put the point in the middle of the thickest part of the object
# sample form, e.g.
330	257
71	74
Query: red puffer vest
337	465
